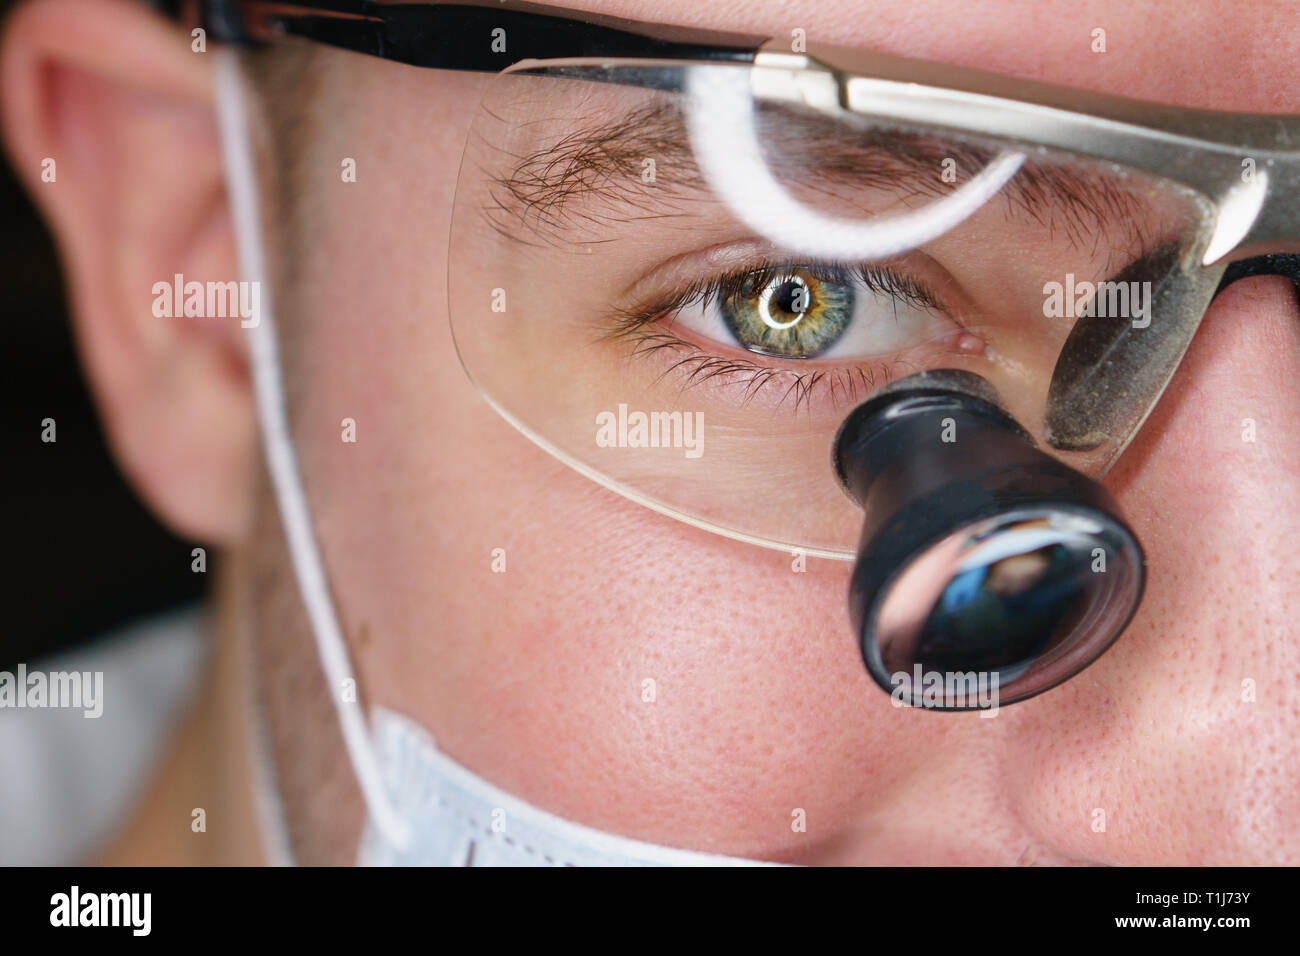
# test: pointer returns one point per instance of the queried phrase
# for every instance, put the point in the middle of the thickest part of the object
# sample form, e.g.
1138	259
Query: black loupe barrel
988	571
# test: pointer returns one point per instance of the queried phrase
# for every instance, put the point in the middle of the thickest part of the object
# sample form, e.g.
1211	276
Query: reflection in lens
1001	616
1011	596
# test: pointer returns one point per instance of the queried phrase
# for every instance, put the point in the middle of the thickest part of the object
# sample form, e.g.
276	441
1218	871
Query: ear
115	97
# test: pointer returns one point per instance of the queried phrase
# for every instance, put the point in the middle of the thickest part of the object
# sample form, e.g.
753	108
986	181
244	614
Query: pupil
791	297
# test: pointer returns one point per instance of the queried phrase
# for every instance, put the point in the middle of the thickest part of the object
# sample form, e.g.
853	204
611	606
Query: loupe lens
988	571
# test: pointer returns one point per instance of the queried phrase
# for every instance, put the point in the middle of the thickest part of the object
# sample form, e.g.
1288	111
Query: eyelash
643	327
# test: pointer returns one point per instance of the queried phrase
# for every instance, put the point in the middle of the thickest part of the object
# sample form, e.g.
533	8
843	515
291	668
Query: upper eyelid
714	288
696	276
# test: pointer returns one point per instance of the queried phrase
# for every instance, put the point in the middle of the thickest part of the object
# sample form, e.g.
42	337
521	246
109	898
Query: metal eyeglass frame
1253	221
1200	149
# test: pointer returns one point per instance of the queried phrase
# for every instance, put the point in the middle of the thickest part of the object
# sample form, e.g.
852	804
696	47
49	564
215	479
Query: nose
1182	744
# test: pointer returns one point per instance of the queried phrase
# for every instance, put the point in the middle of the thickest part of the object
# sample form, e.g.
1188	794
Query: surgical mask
423	808
456	818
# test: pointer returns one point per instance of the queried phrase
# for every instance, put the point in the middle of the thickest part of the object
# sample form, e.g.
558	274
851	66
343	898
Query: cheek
623	669
537	677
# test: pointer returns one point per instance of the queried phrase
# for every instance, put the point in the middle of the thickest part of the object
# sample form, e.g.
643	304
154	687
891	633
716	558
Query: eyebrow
591	177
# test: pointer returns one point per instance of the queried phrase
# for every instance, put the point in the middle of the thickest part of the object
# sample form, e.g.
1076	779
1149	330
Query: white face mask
458	819
422	807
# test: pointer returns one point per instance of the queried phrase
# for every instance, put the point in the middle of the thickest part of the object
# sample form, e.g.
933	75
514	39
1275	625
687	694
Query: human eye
804	325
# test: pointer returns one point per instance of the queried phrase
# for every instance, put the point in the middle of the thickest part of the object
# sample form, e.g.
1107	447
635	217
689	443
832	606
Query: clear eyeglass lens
663	318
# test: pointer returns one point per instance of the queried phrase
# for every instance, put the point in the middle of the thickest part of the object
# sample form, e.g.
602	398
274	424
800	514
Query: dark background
81	554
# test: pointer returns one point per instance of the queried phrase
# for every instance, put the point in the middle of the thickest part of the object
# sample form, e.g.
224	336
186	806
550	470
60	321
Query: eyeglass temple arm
1247	165
469	37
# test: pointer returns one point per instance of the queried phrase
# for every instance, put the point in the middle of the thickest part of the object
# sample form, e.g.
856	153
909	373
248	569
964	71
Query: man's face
518	609
533	677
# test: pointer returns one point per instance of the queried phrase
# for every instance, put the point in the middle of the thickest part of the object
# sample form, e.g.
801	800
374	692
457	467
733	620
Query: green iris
792	313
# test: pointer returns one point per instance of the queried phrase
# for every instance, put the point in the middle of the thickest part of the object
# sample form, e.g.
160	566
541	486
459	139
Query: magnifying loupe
984	563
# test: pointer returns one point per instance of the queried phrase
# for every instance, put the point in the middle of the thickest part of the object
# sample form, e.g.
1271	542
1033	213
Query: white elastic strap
277	441
720	118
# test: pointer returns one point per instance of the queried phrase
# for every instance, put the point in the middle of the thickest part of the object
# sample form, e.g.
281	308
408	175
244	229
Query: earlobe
109	120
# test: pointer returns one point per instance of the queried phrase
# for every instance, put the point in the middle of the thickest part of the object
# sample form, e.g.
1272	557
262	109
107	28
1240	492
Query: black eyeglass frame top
458	36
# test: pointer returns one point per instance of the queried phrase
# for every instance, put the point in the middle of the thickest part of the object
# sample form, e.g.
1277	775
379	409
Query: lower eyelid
740	379
817	386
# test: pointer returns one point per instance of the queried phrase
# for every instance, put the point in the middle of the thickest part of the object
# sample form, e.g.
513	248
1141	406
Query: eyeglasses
679	259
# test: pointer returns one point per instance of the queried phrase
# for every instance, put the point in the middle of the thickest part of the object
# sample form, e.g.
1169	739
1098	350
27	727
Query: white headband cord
720	118
277	443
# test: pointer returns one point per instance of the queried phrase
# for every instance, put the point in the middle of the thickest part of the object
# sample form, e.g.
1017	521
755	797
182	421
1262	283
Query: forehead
1153	49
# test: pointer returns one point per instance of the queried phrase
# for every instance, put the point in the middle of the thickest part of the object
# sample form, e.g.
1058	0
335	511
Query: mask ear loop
277	443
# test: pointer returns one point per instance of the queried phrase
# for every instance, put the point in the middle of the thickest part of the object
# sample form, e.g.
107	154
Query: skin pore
532	678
